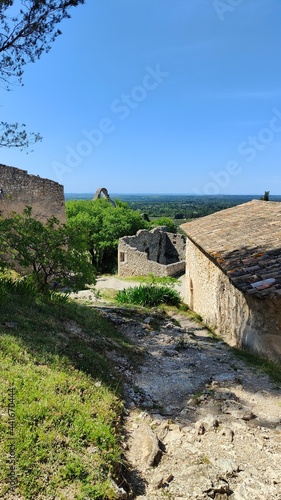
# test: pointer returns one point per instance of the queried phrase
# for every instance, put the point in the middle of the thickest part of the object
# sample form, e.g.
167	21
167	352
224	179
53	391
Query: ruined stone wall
19	189
174	244
243	321
151	252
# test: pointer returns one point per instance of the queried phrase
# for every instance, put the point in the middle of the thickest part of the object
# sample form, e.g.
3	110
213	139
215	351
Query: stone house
19	189
151	252
233	273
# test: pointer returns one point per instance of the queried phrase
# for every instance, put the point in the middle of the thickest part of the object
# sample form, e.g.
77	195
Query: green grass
149	296
68	400
271	368
198	319
156	280
160	280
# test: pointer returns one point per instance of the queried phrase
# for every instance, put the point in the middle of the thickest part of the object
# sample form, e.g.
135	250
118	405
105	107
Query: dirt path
116	283
200	422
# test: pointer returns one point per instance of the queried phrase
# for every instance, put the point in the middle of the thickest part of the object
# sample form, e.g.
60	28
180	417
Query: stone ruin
154	252
103	192
18	190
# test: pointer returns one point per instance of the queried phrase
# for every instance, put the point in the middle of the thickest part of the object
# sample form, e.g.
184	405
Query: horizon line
171	194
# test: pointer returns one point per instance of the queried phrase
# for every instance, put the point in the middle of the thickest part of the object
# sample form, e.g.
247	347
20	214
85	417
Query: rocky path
200	422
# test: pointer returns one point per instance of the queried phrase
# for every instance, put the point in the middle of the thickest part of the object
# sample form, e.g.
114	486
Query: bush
48	252
149	296
168	281
22	288
165	221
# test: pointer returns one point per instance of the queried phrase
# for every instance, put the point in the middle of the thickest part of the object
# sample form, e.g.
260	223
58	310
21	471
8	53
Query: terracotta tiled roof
245	242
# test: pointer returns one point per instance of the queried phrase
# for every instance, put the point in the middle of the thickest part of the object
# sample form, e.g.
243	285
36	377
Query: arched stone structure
104	192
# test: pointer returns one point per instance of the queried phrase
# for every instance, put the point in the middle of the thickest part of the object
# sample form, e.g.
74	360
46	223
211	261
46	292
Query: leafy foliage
104	225
183	207
15	135
23	289
160	280
27	30
265	197
167	222
46	252
149	296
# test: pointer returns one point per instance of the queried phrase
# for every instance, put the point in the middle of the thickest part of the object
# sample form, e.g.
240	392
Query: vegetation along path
201	421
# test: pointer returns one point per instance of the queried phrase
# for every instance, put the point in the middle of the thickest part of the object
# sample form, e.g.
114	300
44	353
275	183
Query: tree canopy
47	253
265	197
27	30
104	225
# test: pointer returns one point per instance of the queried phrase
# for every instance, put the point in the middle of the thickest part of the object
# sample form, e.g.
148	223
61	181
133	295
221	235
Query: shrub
49	253
149	296
22	288
168	281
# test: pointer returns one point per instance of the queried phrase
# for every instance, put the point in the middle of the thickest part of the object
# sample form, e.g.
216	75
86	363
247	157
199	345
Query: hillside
120	402
61	399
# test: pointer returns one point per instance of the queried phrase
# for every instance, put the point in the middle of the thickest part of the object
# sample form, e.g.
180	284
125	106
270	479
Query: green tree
265	197
104	225
167	222
27	30
14	135
46	252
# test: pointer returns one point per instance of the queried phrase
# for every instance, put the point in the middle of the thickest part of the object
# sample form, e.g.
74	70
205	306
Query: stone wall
242	320
151	252
18	189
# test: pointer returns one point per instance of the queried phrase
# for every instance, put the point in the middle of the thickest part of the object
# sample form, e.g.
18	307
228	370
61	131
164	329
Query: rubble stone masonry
242	320
151	252
19	189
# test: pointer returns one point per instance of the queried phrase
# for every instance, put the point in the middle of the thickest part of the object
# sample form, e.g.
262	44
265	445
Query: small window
122	257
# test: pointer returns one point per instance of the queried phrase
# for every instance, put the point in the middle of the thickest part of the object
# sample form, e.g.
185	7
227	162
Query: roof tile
245	242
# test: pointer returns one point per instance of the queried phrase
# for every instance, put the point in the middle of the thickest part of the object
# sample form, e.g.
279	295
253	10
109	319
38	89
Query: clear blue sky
157	96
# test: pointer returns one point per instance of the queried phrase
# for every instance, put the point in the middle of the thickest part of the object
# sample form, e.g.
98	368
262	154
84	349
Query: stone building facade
233	273
151	252
18	189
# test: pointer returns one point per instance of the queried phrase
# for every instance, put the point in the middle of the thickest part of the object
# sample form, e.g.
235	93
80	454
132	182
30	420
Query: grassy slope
68	399
67	406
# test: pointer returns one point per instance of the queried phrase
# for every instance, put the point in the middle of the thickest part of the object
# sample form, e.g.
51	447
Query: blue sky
157	96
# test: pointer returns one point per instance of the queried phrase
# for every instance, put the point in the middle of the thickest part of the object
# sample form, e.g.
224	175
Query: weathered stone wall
243	321
19	189
151	252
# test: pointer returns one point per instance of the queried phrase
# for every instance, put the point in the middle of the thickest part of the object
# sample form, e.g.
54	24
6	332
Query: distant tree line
186	207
